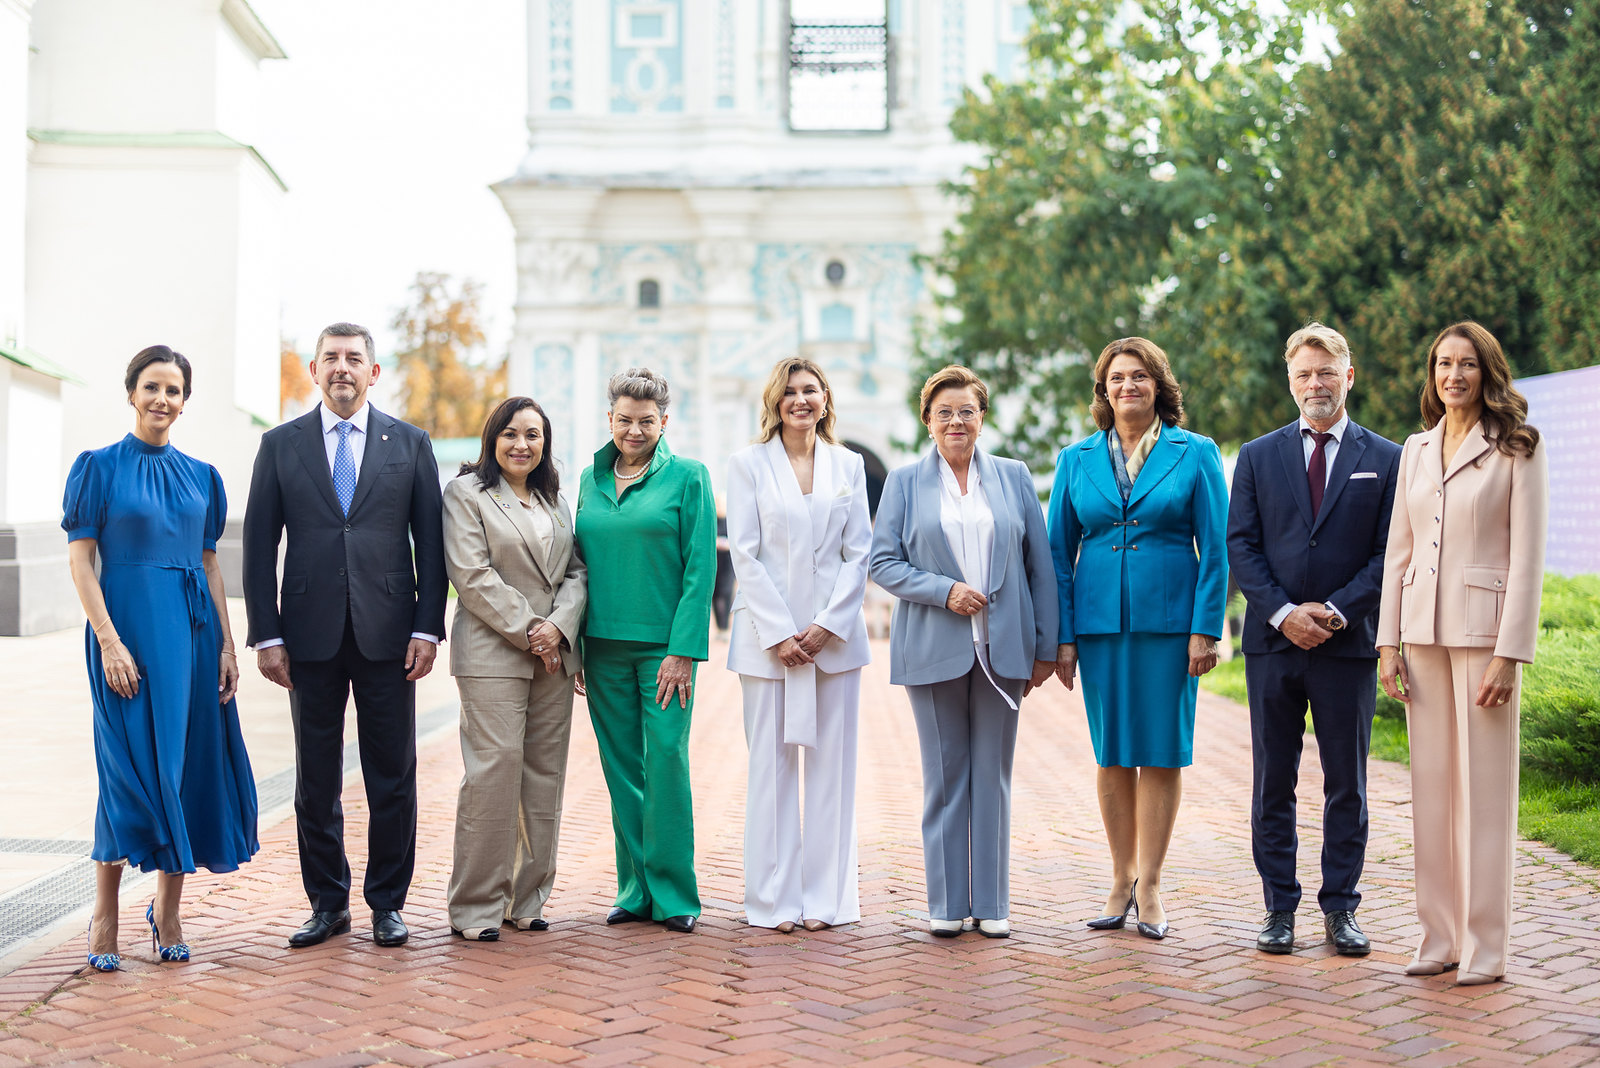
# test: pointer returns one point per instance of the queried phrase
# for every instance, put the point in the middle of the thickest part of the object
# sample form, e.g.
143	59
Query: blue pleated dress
176	790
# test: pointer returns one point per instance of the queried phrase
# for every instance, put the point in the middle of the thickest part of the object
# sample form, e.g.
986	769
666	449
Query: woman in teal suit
1137	519
647	527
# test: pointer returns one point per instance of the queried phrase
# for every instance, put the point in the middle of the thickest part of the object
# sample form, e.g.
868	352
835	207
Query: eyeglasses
965	415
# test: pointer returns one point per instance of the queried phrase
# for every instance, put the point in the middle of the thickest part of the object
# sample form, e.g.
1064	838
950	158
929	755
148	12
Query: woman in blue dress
1137	520
176	792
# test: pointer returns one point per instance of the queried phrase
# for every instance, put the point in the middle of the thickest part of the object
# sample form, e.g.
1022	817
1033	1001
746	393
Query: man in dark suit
361	609
1308	520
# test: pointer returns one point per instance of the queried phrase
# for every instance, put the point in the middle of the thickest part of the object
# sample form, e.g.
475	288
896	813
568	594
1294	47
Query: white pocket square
1362	474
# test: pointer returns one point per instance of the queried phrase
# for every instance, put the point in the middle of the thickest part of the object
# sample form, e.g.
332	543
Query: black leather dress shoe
388	929
681	924
532	925
622	915
485	934
1277	933
320	927
1345	935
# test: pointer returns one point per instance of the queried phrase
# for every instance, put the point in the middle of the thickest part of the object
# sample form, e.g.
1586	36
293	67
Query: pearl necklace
617	471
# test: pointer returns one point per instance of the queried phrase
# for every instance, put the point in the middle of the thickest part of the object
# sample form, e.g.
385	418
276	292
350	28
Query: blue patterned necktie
344	466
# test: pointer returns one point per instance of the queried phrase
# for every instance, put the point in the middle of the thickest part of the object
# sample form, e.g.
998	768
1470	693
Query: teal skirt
1140	698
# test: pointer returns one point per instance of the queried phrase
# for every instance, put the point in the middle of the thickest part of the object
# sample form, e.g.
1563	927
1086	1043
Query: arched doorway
876	472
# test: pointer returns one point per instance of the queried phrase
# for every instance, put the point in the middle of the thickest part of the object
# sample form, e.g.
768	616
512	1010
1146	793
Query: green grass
1562	814
1559	801
1389	741
1227	679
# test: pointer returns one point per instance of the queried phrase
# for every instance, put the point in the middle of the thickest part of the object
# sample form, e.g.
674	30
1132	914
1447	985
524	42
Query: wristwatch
1336	622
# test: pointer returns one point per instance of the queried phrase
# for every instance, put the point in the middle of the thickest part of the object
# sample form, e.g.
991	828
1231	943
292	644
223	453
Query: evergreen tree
1399	191
1560	187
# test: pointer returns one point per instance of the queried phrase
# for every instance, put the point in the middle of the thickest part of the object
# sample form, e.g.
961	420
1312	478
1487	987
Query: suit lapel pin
385	437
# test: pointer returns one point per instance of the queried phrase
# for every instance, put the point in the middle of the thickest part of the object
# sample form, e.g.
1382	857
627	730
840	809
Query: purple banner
1566	409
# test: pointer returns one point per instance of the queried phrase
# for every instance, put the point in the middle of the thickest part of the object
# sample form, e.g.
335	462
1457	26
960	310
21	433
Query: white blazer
799	561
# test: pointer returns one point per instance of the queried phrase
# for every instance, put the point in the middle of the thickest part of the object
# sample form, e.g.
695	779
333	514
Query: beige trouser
1464	761
514	735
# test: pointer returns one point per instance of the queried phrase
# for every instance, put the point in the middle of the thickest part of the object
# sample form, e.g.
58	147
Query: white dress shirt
1330	452
968	525
358	436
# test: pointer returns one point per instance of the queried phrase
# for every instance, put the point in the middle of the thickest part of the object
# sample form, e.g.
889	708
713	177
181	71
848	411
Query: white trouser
789	875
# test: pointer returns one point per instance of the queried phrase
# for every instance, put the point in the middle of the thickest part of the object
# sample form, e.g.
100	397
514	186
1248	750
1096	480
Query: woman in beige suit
521	588
1461	590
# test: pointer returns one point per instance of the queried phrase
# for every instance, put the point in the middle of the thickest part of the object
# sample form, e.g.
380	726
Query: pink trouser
1464	761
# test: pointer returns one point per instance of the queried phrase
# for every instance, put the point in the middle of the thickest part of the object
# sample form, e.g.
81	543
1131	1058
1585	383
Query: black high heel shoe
1115	923
1157	931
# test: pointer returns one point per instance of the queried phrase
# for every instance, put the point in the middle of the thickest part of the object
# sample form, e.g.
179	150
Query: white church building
127	218
712	185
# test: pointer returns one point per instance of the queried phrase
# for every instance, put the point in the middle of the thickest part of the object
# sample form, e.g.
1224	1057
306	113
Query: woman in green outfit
647	526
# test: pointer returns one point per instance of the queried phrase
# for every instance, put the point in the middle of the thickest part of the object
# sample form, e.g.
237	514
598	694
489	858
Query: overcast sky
388	123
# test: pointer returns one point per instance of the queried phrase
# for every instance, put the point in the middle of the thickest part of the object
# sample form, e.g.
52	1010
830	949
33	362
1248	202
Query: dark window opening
834	272
649	293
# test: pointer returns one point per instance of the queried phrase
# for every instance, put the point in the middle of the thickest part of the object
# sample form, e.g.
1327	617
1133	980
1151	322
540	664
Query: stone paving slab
880	992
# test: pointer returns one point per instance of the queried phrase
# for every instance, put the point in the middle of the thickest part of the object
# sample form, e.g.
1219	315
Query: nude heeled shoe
1430	967
1476	979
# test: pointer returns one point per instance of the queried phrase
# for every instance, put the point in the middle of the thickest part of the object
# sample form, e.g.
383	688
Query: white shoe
995	928
945	928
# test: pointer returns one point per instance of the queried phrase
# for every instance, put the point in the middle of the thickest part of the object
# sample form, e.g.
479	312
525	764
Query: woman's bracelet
230	652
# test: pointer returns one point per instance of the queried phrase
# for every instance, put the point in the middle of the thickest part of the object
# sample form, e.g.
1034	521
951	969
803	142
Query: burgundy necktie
1317	470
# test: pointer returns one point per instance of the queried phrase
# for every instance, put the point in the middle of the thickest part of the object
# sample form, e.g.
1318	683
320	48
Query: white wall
135	237
31	492
130	247
13	163
159	55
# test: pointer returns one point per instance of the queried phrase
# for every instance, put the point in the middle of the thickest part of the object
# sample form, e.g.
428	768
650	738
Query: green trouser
644	752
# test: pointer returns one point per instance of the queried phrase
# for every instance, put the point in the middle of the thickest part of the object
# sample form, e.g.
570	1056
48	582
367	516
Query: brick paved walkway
881	991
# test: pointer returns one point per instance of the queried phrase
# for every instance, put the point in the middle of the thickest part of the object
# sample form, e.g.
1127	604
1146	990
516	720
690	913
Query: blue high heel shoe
178	951
102	962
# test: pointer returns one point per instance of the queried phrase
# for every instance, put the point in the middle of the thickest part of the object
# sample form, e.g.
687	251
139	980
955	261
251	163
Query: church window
649	293
836	322
834	272
839	66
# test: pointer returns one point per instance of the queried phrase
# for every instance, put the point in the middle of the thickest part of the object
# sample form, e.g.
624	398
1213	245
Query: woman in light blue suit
960	540
1138	518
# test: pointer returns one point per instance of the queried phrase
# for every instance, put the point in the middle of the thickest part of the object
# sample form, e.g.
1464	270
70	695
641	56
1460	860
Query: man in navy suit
361	610
1307	524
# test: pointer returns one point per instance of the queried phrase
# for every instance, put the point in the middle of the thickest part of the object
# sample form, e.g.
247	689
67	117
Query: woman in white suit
521	587
798	531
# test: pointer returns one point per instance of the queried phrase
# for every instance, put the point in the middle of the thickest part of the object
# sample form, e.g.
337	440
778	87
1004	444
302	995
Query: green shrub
1389	708
1227	680
1561	706
1570	603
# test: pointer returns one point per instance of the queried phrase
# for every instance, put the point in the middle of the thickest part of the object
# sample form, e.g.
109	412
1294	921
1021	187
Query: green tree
1127	188
449	387
1399	193
1561	181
